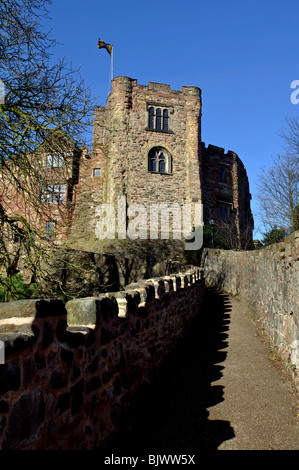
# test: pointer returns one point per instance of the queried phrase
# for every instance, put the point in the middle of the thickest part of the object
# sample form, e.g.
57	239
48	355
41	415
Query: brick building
146	146
40	188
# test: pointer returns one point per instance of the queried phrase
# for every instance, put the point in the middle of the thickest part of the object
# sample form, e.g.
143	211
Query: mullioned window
158	119
54	193
159	160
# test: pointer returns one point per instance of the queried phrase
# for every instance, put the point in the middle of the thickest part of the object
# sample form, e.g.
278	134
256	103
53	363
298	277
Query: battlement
76	367
219	151
127	83
229	156
158	86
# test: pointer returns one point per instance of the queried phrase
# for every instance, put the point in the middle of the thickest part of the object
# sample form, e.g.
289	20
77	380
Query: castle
146	148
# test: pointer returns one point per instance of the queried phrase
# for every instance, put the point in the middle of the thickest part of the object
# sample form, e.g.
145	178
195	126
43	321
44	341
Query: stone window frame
224	210
158	149
222	175
54	161
94	172
50	229
54	193
160	115
223	172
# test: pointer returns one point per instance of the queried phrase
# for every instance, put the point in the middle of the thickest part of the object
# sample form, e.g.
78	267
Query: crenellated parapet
71	370
226	193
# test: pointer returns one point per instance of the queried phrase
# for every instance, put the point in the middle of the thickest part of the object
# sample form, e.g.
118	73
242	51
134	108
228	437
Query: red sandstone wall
71	370
121	143
131	141
26	199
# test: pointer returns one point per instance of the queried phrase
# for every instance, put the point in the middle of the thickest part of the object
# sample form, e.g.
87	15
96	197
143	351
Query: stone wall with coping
267	281
72	370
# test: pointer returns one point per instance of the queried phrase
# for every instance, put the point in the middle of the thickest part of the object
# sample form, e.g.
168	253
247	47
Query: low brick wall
267	281
71	371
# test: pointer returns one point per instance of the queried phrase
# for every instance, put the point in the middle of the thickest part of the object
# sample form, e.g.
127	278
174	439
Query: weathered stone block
47	335
115	413
16	342
19	309
50	308
67	357
77	391
59	379
93	384
74	337
28	370
10	376
63	403
82	311
3	421
4	407
25	419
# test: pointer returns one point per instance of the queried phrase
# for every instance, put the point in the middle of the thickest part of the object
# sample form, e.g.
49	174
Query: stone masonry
147	148
125	136
267	281
72	370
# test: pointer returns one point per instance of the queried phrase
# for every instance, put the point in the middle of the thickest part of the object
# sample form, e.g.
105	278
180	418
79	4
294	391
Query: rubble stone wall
267	281
71	371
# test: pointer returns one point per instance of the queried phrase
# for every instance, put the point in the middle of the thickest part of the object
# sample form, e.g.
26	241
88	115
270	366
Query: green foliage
275	235
47	110
14	288
212	238
217	237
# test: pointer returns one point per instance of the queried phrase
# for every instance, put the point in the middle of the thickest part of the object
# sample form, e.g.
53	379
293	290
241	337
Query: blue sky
243	56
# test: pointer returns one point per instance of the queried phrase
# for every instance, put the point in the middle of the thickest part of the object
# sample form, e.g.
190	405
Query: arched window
153	163
159	160
162	162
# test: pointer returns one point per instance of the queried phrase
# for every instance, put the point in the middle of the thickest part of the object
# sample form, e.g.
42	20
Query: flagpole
111	65
109	49
111	69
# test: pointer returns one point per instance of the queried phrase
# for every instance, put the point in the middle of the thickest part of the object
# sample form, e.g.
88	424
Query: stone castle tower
147	146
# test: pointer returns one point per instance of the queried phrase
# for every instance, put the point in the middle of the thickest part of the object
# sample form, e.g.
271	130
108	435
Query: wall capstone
71	371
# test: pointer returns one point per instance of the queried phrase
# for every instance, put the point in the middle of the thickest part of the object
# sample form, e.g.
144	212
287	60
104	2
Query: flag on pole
103	45
109	49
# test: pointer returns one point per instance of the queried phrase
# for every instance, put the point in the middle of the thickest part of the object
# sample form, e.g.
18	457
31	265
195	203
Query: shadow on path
171	414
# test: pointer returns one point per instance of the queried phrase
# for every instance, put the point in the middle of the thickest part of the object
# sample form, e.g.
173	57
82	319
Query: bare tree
290	136
278	186
229	237
47	109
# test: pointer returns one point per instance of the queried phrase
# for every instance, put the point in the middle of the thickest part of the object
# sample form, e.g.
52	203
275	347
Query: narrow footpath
221	389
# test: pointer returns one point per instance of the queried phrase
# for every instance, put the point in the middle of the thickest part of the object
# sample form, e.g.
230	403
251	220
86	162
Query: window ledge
158	130
159	173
